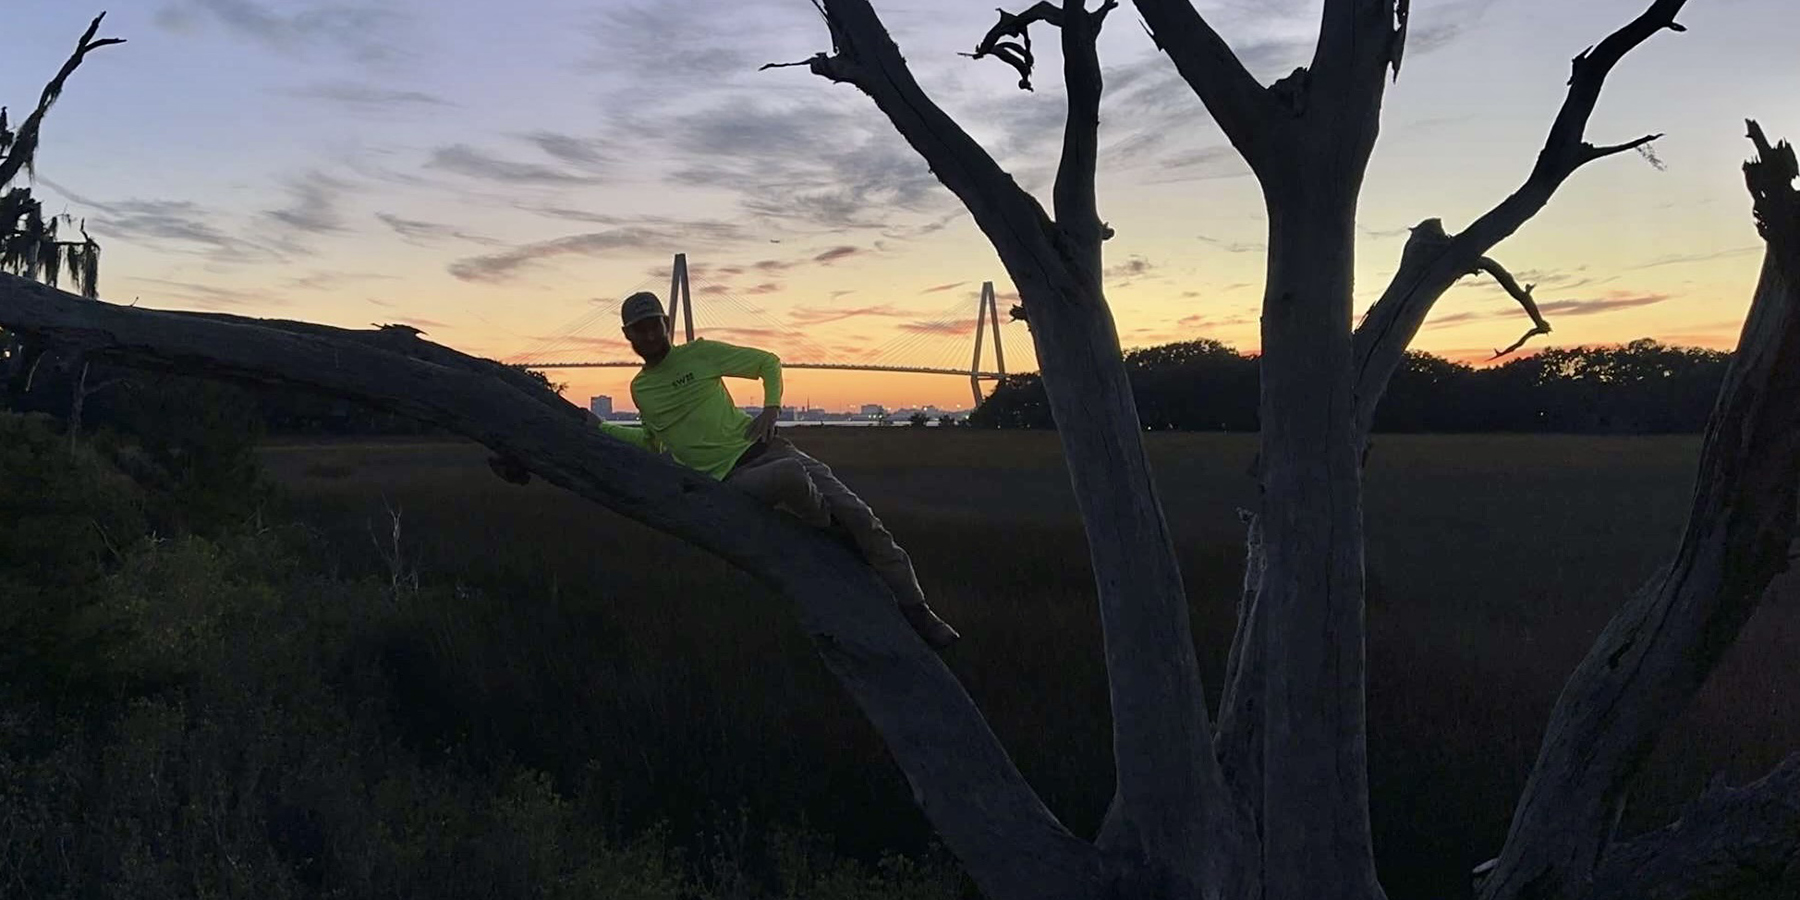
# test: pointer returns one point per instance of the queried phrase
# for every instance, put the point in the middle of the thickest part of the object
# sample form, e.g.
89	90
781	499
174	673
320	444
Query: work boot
936	632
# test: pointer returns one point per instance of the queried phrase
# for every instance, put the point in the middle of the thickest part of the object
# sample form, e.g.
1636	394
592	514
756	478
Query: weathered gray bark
1730	842
1658	651
959	773
1294	691
1293	736
1172	830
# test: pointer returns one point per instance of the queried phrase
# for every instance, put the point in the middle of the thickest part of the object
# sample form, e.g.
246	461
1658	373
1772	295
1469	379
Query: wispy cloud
571	149
174	225
1439	25
507	263
202	296
836	253
632	40
328	281
1233	246
424	232
313	204
937	288
1128	271
1204	320
1552	309
367	32
1606	304
1676	259
772	159
367	97
468	161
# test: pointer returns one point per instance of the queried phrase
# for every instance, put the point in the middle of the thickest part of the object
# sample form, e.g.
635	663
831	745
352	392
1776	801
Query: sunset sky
493	177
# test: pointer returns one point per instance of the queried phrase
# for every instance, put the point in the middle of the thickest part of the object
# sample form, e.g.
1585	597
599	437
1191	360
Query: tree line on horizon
1641	387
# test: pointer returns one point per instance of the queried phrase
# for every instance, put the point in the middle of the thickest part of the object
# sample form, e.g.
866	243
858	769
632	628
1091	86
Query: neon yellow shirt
686	410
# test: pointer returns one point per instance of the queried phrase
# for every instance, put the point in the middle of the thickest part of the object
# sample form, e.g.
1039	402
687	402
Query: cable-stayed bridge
929	346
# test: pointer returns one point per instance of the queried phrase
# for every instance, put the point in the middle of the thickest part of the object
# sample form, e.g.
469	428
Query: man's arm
631	434
748	362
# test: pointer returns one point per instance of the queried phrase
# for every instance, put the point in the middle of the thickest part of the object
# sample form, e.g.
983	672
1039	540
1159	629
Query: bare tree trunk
1165	848
1315	819
1658	651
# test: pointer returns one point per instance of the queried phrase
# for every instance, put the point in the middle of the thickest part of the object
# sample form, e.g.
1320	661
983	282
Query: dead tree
1274	802
29	244
1271	803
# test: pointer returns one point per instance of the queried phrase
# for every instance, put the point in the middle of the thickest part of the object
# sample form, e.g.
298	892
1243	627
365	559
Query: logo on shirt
684	380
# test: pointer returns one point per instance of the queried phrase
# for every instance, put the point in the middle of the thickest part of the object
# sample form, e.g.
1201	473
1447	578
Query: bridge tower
987	312
681	300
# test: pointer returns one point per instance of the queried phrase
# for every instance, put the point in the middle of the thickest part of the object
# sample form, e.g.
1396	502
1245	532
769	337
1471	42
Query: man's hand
762	427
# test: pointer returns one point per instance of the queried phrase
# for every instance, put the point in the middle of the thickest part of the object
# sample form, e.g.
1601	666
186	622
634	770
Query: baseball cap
641	305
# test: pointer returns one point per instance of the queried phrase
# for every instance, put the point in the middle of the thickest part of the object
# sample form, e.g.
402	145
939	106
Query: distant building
874	409
601	405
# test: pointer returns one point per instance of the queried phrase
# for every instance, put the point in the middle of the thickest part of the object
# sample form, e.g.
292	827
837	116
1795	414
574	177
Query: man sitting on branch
686	411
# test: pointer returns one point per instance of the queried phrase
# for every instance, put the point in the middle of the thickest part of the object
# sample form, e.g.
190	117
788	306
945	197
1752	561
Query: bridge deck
846	367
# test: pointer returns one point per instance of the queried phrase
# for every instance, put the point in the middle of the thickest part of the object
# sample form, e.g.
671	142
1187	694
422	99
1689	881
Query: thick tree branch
1433	261
1658	650
960	775
1521	294
1731	842
1249	114
1077	212
24	143
1589	153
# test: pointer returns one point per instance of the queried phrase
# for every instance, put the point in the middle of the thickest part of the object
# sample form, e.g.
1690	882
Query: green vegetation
516	693
220	711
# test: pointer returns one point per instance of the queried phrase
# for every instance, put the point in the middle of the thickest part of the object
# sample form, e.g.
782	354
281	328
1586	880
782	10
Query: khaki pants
788	479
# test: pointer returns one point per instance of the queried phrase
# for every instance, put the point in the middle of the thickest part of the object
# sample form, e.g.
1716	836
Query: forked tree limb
1017	53
1520	293
1433	261
24	144
1658	650
960	775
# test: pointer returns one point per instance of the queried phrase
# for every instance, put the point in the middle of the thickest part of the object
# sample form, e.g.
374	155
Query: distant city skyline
487	176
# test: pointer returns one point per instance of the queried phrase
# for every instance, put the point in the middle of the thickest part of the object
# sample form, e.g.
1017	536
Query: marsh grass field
609	656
